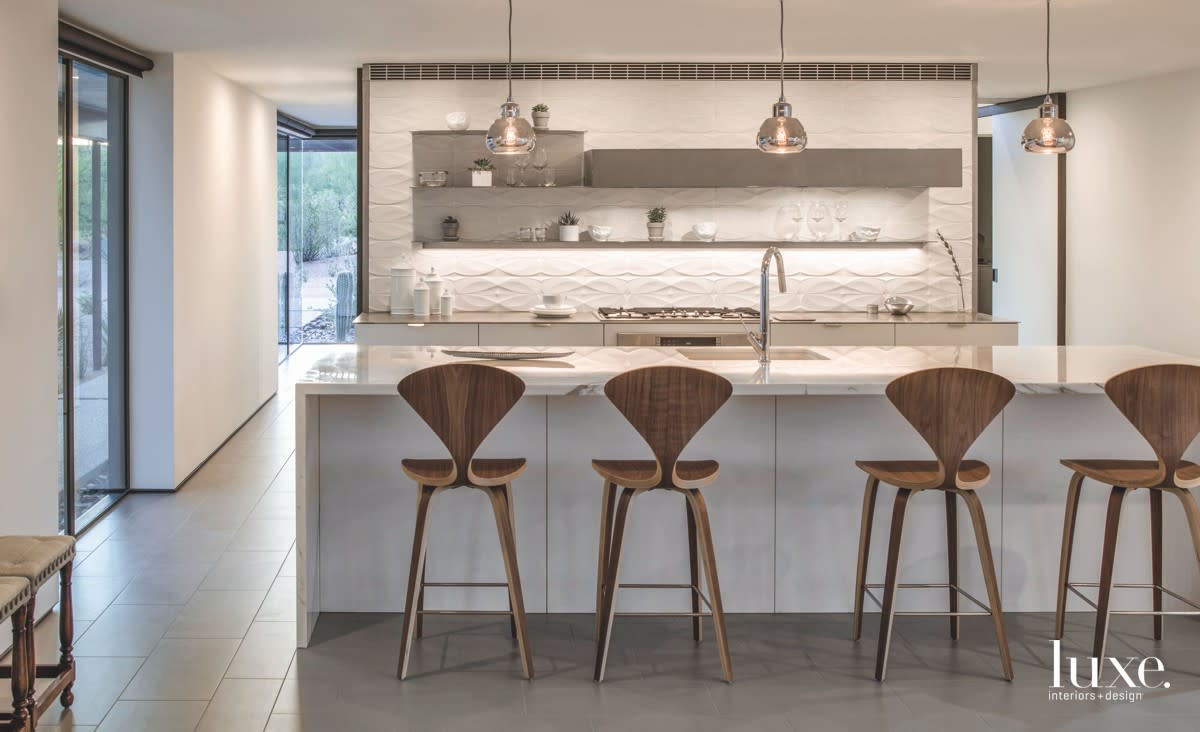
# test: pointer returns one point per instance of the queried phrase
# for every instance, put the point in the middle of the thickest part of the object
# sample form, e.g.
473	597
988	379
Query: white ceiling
303	53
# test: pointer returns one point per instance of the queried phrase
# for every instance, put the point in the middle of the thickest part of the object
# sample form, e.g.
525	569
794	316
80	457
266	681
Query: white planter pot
655	231
481	178
541	120
568	233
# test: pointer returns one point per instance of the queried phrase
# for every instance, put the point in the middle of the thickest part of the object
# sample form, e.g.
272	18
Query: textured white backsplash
674	114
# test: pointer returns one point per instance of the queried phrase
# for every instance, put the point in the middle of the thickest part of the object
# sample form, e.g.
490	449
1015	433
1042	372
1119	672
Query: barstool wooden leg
508	546
22	667
611	573
66	632
608	505
1107	560
1192	514
708	551
512	522
1068	545
975	507
889	584
1156	558
416	570
694	567
420	619
952	558
864	549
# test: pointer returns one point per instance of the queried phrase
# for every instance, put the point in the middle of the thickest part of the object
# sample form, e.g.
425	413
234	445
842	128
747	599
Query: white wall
689	114
1133	253
204	279
1024	232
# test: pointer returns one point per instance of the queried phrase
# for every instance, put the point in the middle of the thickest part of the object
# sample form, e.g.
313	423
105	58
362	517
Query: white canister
403	279
420	300
447	303
435	290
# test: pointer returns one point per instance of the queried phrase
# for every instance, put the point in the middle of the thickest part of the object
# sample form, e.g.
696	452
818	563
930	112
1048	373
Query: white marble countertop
589	316
363	370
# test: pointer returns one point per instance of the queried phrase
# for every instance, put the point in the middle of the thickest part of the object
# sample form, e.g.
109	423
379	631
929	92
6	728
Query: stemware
521	163
790	216
541	159
841	212
818	221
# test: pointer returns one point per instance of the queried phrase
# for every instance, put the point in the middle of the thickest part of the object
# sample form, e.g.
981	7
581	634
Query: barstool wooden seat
37	559
15	595
462	404
950	408
1163	404
667	405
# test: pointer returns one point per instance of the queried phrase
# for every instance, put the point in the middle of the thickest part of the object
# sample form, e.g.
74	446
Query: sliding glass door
91	292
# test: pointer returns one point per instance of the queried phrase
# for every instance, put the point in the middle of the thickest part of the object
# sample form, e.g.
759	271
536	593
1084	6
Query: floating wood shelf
685	244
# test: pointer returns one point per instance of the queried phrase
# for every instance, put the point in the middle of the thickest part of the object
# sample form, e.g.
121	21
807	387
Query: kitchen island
785	512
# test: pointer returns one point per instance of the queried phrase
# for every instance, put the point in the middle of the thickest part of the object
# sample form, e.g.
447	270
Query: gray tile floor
186	622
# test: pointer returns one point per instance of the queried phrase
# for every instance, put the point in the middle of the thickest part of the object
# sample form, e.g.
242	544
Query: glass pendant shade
1048	134
510	134
781	132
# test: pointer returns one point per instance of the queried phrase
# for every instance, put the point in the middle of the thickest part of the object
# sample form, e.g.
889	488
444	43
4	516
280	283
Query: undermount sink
749	354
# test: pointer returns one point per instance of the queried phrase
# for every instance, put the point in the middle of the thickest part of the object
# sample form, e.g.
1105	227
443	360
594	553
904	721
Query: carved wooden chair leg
887	615
22	670
416	570
989	577
508	544
1068	545
608	506
952	558
1156	558
66	631
708	552
1107	561
694	567
608	606
864	549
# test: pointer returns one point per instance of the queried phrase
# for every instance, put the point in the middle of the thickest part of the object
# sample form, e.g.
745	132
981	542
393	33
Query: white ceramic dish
600	233
542	311
506	355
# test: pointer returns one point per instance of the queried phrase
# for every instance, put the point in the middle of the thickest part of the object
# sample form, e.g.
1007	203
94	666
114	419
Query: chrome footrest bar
930	586
1074	587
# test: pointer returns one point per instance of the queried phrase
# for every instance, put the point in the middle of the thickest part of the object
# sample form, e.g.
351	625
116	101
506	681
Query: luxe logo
1128	681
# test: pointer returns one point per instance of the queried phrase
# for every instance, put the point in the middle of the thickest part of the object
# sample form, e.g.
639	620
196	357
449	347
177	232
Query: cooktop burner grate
678	313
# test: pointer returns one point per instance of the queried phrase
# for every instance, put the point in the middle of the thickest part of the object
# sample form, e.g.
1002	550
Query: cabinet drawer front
956	334
423	334
542	334
832	334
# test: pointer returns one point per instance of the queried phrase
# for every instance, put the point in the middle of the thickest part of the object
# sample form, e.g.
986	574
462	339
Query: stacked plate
544	311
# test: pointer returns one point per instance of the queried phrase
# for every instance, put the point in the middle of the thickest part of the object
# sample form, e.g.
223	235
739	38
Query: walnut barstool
1163	404
667	405
37	559
462	404
950	408
15	595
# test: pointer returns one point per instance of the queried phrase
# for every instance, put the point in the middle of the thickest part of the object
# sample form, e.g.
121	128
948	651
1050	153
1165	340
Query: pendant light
781	132
1049	133
510	134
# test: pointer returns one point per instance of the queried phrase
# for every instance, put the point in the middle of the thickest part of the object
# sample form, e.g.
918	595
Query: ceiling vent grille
800	71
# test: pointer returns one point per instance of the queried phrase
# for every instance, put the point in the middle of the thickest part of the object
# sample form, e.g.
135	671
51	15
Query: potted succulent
541	117
449	229
568	227
655	221
481	173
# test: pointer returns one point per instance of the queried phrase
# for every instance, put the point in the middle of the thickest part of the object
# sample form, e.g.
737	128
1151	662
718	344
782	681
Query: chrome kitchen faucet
761	341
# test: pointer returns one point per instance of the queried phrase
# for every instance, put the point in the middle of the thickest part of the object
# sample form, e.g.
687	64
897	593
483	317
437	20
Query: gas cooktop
677	313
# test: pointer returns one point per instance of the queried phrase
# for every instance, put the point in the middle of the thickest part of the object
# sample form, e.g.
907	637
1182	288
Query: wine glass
794	215
818	220
541	159
522	163
841	212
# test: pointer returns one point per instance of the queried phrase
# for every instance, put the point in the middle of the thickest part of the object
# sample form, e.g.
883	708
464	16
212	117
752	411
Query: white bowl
705	229
600	233
457	120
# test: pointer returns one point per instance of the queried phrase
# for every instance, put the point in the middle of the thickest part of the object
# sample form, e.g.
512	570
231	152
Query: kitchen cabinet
956	334
417	334
832	334
541	334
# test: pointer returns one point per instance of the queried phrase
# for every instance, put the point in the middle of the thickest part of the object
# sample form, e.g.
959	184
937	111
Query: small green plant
568	219
449	220
482	164
656	215
541	108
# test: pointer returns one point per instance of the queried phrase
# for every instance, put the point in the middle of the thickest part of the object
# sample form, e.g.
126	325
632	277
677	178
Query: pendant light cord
508	67
1047	46
781	48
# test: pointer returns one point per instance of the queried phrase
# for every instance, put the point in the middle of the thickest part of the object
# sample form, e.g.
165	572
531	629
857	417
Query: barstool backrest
462	403
1163	404
668	405
950	408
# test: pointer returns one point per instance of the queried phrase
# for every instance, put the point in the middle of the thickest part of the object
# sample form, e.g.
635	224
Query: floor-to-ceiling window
91	291
318	240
